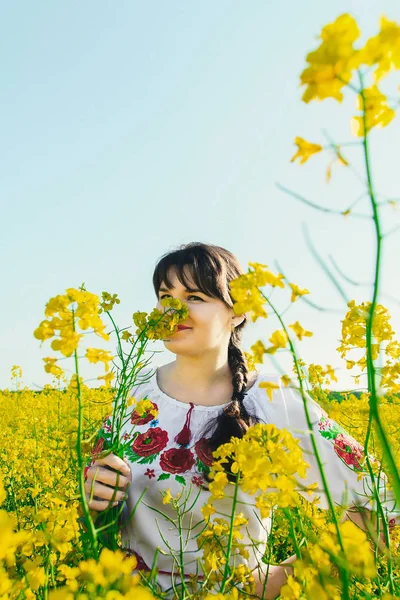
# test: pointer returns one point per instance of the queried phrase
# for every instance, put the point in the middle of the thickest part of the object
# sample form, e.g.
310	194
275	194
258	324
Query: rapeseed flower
305	150
376	112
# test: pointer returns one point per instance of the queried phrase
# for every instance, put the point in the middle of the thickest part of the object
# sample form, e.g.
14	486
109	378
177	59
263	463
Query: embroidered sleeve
341	455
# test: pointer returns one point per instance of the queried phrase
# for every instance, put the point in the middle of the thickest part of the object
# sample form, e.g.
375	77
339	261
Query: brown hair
212	268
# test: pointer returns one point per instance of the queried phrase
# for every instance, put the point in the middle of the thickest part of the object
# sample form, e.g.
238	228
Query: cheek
206	317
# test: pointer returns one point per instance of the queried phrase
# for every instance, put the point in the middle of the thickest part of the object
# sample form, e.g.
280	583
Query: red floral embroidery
106	427
204	452
98	447
126	436
85	470
348	449
197	480
325	424
151	442
150	473
138	420
177	460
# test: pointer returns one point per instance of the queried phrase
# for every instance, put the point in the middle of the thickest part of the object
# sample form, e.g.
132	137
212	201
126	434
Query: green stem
344	573
89	520
230	538
374	415
388	454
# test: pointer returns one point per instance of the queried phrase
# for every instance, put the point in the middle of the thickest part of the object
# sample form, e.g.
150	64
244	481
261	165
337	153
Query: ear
237	320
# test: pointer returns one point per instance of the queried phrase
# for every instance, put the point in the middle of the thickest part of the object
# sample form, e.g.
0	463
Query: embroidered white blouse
159	463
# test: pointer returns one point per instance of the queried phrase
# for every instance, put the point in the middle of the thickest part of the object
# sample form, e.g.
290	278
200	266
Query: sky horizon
129	130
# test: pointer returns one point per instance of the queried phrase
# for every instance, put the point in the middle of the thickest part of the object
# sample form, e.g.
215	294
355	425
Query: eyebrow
163	289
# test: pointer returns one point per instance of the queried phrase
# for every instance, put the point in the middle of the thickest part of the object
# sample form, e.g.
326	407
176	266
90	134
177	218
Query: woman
203	398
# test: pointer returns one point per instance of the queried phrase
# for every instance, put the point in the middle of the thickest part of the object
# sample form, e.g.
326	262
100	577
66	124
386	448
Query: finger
100	505
103	492
112	478
113	461
130	470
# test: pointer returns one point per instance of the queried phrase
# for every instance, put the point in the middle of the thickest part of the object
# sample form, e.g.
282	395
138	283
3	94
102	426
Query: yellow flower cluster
376	112
214	541
265	460
16	372
108	302
110	578
159	325
245	292
145	407
76	308
51	367
95	355
333	63
39	529
316	574
354	328
383	50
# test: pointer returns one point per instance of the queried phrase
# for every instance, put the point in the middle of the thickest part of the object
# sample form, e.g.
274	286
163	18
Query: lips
182	327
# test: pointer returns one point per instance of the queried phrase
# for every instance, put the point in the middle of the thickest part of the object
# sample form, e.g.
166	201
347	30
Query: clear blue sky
131	127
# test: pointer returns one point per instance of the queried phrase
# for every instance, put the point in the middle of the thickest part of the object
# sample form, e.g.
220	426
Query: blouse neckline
197	407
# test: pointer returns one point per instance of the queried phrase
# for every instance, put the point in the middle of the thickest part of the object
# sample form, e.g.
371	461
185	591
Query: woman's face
209	319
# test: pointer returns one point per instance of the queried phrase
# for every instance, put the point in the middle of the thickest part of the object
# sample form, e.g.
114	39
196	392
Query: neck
200	374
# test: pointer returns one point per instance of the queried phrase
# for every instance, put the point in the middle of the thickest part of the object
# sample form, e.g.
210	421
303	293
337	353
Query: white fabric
146	530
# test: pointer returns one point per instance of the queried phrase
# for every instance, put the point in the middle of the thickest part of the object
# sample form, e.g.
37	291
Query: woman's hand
277	577
368	522
108	479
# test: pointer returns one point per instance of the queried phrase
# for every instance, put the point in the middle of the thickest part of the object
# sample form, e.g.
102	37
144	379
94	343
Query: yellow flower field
52	546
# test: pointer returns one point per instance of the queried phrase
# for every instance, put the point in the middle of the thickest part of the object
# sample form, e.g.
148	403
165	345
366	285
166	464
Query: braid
234	421
238	367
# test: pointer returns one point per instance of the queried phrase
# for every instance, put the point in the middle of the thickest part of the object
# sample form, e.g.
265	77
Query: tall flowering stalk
68	317
332	68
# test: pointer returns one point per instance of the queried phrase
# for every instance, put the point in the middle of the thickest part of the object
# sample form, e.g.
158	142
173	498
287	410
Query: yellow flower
331	65
109	301
296	292
305	150
95	355
258	349
108	377
245	290
16	372
331	372
299	331
269	387
377	112
159	324
51	367
383	49
144	407
207	510
218	485
250	362
286	380
167	497
35	573
279	339
262	276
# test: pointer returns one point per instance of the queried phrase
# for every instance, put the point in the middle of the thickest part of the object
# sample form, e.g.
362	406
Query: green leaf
147	460
133	457
180	479
164	476
329	434
201	466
